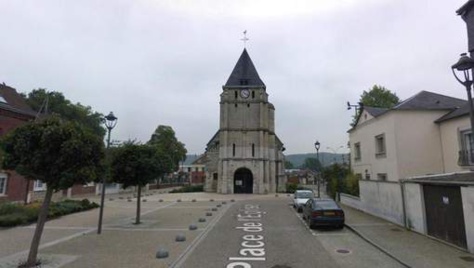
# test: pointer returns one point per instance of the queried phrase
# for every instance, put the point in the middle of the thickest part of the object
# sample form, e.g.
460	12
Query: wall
382	199
352	201
467	194
365	133
414	207
418	143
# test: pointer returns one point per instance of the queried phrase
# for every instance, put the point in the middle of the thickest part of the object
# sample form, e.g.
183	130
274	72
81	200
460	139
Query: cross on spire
245	39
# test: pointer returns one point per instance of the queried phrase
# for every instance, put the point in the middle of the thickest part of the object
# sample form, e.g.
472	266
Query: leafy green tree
312	164
55	103
136	165
335	175
379	96
289	165
164	139
57	152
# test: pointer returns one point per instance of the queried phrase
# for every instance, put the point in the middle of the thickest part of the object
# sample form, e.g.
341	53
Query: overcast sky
157	62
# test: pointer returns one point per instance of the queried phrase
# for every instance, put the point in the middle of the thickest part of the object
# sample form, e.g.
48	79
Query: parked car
300	198
323	212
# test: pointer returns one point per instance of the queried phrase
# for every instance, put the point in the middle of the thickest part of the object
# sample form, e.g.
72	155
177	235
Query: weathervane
245	39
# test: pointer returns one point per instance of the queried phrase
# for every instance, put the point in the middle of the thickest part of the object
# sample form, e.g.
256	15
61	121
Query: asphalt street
269	233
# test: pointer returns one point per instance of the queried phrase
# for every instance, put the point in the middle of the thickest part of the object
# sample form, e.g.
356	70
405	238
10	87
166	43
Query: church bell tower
248	155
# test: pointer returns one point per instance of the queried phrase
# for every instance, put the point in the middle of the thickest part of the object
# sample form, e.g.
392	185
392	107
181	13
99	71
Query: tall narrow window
3	183
357	154
233	149
236	94
466	154
253	149
380	150
253	94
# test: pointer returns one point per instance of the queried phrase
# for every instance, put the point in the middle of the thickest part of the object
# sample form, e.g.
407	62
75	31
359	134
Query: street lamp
110	122
464	66
317	145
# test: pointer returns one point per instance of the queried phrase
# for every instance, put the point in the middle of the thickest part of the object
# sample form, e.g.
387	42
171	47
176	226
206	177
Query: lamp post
464	66
110	122
317	145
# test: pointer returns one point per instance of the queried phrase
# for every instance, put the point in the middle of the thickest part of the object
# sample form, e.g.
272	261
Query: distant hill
325	158
296	159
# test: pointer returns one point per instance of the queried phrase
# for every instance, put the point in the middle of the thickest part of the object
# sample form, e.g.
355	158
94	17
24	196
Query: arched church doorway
243	181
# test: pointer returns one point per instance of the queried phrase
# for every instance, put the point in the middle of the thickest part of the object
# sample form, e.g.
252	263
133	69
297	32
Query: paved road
269	233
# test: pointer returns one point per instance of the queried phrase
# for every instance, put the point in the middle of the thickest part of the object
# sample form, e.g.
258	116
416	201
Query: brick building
13	112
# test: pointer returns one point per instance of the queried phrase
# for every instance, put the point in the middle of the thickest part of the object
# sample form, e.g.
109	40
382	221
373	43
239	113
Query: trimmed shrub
189	189
16	214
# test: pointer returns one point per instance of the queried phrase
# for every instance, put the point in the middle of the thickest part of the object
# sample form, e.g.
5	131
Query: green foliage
59	153
16	214
340	179
291	187
58	104
173	151
189	189
351	184
289	165
312	164
379	96
136	164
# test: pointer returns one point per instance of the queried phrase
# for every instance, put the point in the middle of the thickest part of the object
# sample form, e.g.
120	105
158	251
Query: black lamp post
464	66
317	145
110	122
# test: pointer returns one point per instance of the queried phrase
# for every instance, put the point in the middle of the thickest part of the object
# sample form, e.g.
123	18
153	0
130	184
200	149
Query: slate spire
244	73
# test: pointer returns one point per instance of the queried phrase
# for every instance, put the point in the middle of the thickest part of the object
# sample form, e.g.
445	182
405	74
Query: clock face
244	93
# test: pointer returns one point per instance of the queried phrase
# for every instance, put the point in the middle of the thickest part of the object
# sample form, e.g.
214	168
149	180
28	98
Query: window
233	149
466	154
236	94
357	151
380	146
39	186
253	149
382	176
253	94
3	183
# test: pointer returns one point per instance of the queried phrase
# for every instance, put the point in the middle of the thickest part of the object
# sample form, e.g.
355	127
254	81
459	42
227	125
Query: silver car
300	198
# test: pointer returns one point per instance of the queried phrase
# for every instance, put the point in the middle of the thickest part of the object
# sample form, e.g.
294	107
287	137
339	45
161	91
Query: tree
165	140
312	164
289	165
57	152
52	102
380	97
136	165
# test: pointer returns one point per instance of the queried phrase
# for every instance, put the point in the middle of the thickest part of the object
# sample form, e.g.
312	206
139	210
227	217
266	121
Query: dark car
323	212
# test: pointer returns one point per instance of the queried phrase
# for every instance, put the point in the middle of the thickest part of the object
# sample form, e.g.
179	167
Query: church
245	155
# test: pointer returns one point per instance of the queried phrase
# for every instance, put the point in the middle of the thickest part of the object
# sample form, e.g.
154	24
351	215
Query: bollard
162	253
180	238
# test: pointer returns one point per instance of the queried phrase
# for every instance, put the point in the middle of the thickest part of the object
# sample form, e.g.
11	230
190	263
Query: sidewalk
413	249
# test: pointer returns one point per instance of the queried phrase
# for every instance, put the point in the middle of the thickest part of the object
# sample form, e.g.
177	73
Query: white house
414	162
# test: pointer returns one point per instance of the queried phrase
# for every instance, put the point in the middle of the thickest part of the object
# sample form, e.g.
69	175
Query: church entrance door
243	181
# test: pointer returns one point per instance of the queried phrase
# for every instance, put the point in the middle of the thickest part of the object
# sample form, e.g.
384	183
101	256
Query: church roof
244	73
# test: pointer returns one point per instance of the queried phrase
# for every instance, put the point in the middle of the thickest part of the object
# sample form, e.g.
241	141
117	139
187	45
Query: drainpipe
402	188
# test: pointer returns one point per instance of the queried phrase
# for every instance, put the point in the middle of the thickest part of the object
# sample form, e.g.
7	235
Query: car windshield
326	204
304	194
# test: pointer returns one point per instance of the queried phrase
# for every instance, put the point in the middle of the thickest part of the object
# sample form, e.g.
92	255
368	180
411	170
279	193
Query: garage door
444	213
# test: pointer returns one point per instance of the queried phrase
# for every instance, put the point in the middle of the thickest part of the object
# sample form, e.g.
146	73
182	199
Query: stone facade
245	155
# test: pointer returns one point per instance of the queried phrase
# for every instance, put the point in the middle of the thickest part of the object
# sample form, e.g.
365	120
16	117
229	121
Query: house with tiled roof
414	163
